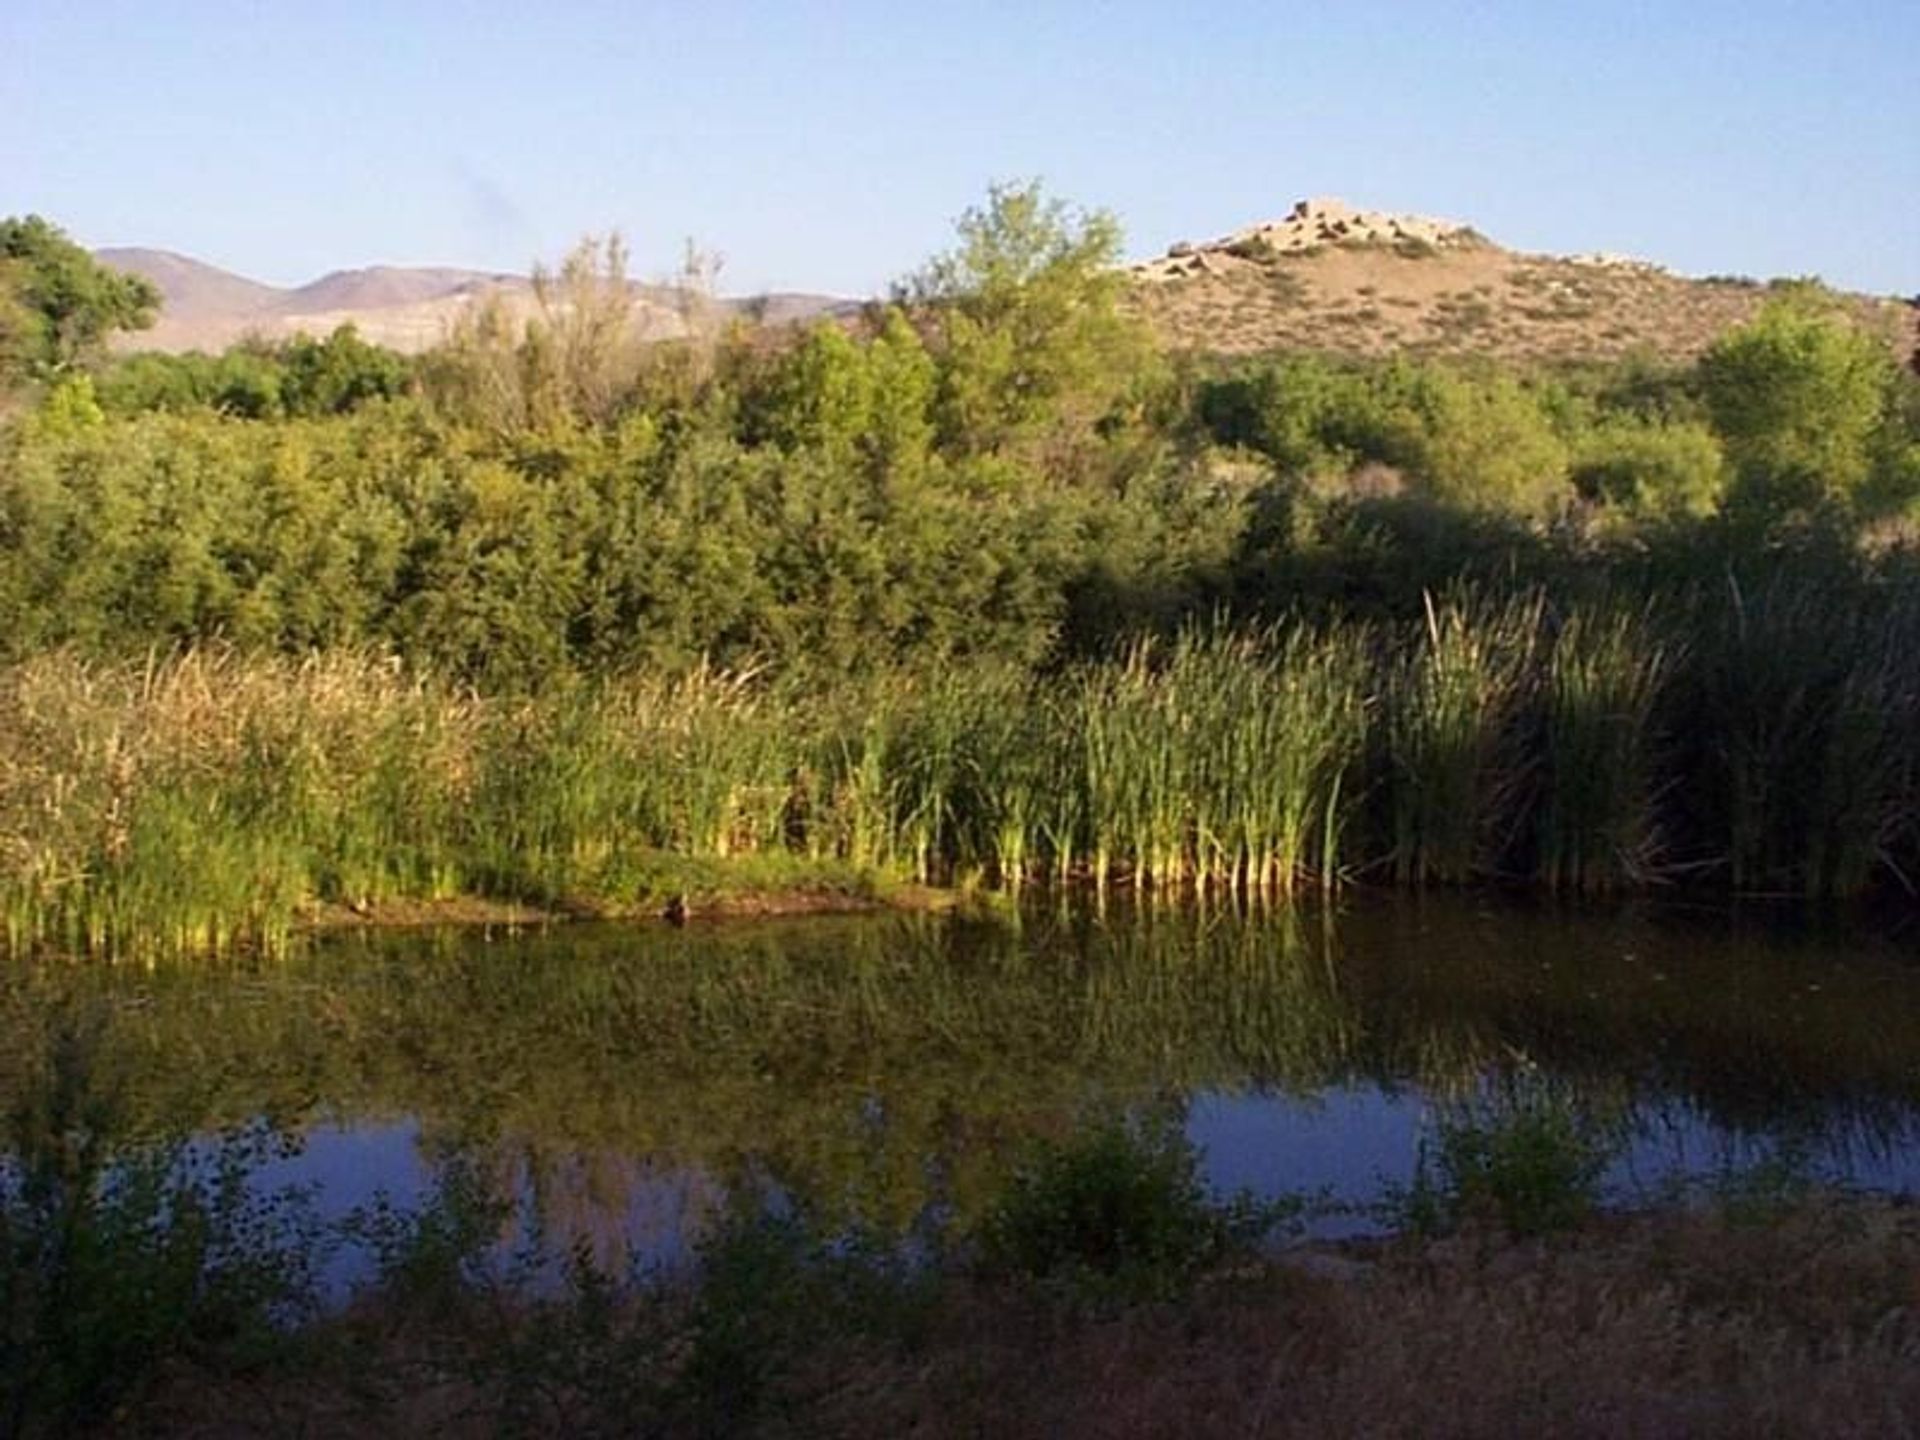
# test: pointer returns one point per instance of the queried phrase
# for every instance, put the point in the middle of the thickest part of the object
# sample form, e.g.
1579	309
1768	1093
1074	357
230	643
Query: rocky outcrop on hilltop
1312	225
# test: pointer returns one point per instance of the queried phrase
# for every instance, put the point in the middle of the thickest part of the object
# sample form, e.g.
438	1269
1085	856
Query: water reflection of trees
879	1067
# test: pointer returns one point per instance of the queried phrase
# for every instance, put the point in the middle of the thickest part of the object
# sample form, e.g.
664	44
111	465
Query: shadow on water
620	1084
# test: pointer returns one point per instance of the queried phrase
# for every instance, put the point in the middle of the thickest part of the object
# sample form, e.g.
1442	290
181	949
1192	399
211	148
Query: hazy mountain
406	307
384	287
191	287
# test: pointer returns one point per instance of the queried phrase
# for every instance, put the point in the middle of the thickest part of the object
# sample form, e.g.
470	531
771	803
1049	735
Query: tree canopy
58	304
1798	398
1027	320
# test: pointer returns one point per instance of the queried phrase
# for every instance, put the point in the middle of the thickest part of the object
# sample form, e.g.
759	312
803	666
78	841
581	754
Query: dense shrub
1117	1210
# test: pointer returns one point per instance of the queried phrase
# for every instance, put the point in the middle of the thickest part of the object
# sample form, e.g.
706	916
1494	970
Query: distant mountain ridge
380	287
406	307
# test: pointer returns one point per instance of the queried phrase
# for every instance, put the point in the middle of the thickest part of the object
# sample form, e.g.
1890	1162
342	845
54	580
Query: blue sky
829	146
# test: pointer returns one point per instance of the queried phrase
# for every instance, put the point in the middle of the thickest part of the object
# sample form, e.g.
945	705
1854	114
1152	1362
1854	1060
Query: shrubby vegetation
1528	1162
998	465
1119	1211
975	583
300	378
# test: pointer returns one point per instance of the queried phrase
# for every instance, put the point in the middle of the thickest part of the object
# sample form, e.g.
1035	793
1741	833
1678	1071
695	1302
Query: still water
621	1082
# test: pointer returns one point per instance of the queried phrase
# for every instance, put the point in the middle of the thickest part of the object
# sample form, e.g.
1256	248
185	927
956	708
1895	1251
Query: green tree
339	373
248	382
1797	397
1647	469
154	381
58	304
820	397
1489	446
69	407
1027	322
900	430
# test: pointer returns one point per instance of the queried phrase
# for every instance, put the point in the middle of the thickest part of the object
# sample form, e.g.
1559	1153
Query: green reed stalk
1452	704
1596	828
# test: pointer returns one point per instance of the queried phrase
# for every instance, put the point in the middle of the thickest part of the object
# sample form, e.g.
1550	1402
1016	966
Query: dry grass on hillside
1376	299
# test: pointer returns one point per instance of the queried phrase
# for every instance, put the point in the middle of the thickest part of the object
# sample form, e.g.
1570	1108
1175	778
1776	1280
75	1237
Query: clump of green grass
1763	735
1220	759
210	801
1452	766
1529	1162
1805	713
1596	819
1118	1211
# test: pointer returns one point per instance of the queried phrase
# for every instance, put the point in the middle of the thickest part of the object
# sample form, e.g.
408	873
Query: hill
192	293
407	308
1332	278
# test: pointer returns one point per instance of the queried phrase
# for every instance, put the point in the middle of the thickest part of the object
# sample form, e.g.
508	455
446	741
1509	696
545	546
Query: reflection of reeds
885	1063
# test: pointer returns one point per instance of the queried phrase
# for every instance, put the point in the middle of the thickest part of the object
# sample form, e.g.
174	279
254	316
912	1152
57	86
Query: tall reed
1596	822
1453	766
1765	736
1219	760
1802	701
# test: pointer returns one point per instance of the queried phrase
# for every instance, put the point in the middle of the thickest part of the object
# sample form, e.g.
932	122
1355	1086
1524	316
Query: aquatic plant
1116	1210
1596	829
1453	766
1529	1160
1763	737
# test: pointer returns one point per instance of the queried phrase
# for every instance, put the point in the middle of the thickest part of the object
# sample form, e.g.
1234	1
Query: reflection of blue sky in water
1343	1142
629	1212
1350	1142
1346	1145
614	1081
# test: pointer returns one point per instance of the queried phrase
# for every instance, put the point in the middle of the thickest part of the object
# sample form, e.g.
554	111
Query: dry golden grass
1803	1322
1469	300
1803	1325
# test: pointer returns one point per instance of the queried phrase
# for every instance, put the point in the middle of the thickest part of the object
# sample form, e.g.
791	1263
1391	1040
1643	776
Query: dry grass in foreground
1805	1325
1799	1321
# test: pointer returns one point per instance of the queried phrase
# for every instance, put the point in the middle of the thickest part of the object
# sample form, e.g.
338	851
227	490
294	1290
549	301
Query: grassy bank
1757	742
1671	1324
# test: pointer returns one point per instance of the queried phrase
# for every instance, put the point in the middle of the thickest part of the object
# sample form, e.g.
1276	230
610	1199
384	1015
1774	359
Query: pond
893	1070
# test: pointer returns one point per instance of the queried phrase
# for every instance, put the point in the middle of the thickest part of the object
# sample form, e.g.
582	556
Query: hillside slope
1332	278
